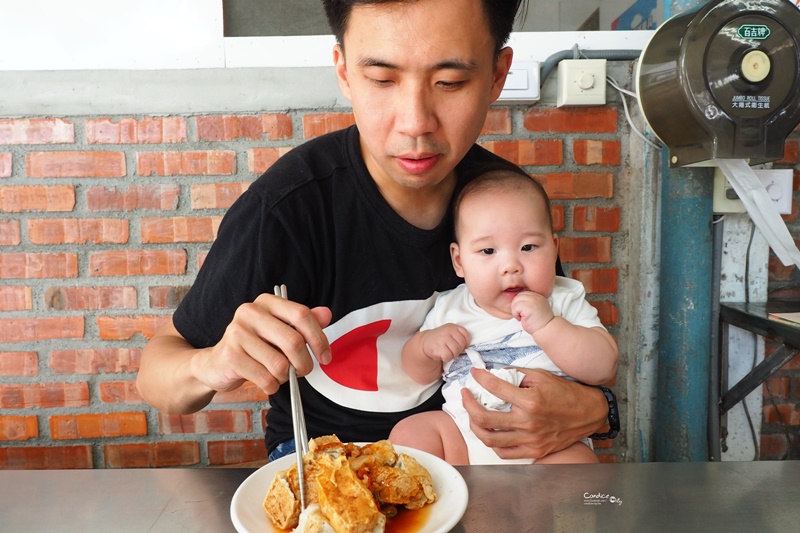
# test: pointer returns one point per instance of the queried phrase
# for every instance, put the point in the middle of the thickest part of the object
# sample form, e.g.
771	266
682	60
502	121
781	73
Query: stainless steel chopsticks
298	417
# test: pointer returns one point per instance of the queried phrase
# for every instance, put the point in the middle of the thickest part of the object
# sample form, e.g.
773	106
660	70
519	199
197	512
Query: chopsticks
298	417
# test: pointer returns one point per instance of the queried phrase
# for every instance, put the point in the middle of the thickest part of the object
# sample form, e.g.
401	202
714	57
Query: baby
511	312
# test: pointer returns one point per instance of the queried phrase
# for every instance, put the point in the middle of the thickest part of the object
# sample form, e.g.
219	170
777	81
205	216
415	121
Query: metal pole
684	315
714	453
685	310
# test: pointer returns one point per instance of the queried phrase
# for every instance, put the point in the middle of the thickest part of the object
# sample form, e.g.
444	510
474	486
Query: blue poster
641	15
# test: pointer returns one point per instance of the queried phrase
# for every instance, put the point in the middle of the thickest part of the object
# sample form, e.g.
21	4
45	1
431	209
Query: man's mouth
418	164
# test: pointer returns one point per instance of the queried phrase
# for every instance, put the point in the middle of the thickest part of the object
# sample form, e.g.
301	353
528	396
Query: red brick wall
780	431
104	222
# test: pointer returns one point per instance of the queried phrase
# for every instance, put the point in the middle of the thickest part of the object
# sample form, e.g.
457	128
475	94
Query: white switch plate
778	183
581	82
522	82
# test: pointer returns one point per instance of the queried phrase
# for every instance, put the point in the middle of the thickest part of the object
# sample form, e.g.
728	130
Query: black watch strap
613	416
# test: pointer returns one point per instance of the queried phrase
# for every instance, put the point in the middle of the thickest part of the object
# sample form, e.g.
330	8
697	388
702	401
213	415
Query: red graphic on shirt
355	357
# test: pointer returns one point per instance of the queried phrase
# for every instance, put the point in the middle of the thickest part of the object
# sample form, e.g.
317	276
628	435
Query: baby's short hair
500	178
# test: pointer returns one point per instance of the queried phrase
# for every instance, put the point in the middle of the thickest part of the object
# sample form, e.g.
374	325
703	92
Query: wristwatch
613	416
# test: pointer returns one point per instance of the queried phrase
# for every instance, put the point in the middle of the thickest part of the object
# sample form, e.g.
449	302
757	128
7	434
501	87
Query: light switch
517	80
522	82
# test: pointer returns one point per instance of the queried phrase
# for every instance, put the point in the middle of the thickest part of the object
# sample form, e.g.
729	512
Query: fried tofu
390	485
344	500
329	444
410	466
348	488
379	453
407	483
282	504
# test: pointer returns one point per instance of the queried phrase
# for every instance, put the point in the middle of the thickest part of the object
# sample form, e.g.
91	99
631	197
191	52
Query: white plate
247	510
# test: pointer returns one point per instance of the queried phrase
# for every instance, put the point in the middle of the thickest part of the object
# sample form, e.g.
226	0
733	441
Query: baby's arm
589	355
426	351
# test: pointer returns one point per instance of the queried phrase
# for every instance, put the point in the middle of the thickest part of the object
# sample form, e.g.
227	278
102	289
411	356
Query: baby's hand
445	342
532	310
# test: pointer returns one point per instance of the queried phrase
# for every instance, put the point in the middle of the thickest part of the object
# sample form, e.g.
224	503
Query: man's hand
259	344
548	414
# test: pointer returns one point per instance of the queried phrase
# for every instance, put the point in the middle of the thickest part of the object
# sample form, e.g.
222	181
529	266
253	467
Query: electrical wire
787	454
747	263
623	93
613	55
781	422
756	454
611	81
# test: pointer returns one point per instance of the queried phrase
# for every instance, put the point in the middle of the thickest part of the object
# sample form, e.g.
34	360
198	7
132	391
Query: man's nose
415	112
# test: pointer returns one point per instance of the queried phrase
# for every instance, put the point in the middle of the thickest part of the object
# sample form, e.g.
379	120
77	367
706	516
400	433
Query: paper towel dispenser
723	81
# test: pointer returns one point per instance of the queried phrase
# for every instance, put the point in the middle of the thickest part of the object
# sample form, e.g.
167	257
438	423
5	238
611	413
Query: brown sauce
405	521
408	521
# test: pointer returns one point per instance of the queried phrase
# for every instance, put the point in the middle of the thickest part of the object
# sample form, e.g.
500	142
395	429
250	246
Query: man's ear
341	70
455	256
501	68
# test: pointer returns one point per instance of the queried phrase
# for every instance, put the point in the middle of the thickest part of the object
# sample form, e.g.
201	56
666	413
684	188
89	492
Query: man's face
420	76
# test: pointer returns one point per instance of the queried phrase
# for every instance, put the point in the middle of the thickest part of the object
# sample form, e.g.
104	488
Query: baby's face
505	246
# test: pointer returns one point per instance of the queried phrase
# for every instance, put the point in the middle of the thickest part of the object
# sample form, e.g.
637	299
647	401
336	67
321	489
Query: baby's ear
455	256
555	240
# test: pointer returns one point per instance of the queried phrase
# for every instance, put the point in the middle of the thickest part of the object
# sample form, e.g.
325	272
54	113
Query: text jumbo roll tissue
762	210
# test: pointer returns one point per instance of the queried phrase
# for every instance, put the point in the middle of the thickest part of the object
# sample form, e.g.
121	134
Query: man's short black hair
499	13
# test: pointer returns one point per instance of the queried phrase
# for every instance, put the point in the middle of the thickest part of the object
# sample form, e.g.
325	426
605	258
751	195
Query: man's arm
165	378
263	338
548	414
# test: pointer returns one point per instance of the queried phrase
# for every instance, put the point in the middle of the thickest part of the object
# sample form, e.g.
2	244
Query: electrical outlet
581	82
777	182
725	199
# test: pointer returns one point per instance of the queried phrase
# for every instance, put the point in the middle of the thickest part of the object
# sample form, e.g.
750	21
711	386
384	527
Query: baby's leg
578	453
434	432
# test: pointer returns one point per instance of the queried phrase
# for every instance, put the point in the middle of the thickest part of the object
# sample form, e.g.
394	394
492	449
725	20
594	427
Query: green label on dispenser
753	31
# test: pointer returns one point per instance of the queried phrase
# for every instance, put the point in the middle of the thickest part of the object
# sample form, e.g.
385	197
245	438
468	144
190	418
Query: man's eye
380	83
487	251
451	85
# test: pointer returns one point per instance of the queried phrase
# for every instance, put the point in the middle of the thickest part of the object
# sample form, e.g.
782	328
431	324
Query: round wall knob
774	192
586	81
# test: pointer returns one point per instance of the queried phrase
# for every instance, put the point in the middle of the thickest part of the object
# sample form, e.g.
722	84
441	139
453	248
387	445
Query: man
356	224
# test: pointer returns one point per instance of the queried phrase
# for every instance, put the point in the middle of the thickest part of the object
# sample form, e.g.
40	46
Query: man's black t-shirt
316	222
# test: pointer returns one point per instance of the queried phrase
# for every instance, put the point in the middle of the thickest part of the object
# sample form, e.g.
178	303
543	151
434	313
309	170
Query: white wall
42	35
111	34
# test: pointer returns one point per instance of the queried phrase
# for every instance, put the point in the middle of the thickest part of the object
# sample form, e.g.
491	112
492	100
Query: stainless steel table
707	497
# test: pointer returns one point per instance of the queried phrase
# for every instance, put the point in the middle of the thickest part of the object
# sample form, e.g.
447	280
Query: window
257	18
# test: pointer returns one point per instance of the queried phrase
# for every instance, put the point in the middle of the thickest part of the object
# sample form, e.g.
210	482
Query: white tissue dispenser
723	81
